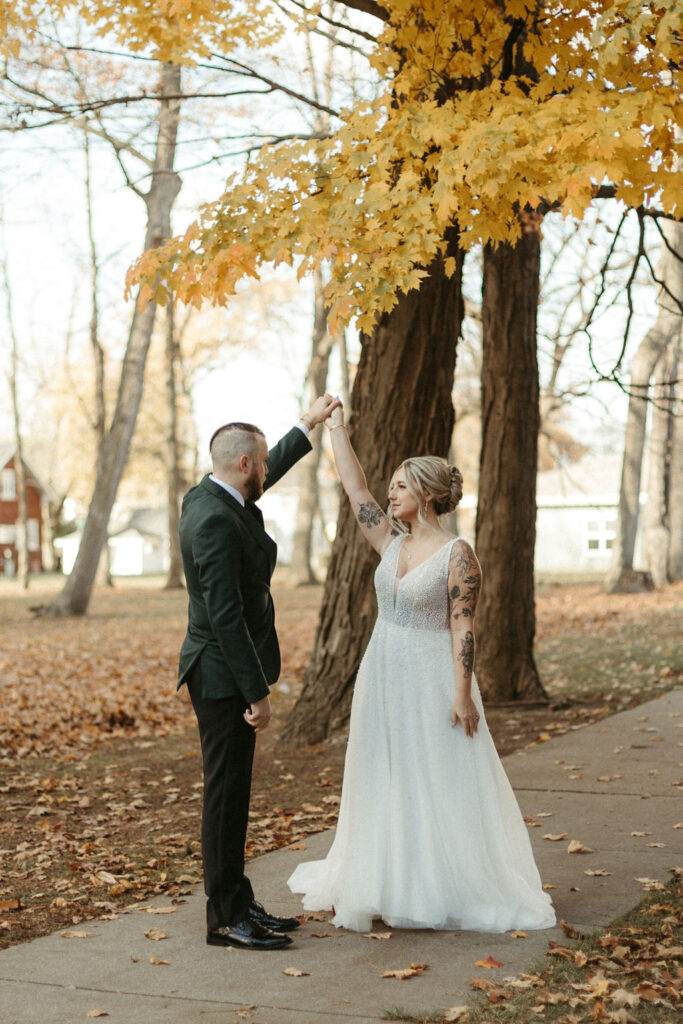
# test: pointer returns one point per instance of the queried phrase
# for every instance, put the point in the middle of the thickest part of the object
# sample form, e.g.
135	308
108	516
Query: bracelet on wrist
334	427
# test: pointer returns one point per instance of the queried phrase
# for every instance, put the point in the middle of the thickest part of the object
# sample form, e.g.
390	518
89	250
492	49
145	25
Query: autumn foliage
484	110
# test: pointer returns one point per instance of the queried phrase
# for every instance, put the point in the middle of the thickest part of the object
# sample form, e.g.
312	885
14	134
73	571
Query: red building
37	499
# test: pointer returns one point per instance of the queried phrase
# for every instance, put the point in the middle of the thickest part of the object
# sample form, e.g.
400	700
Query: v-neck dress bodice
419	599
429	834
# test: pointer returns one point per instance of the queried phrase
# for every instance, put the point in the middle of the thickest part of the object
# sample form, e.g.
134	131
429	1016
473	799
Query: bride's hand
464	711
336	418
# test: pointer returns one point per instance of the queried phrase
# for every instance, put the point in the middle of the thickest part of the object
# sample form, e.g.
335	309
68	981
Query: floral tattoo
369	514
466	656
464	595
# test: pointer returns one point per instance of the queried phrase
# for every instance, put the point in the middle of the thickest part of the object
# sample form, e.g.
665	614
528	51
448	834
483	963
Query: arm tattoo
464	597
369	514
466	656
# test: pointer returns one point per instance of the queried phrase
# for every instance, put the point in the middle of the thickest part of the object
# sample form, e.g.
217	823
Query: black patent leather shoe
247	934
260	915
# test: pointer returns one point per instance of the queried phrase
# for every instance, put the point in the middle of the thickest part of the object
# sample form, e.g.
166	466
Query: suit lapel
251	516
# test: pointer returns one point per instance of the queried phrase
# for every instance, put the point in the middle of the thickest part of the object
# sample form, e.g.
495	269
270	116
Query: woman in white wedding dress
430	834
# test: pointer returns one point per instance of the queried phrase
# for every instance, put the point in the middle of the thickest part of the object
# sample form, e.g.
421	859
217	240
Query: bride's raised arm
376	526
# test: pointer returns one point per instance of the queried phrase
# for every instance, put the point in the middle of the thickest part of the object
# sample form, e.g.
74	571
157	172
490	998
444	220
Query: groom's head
239	453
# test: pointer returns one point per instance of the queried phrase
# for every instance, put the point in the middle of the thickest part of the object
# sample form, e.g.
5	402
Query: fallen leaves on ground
406	972
157	962
634	965
155	934
294	972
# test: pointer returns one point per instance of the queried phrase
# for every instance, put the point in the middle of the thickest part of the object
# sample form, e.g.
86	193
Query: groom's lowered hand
258	714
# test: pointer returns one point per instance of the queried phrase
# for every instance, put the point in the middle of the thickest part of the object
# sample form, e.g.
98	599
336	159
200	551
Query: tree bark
506	506
656	521
307	507
675	565
400	406
21	530
165	185
621	577
174	580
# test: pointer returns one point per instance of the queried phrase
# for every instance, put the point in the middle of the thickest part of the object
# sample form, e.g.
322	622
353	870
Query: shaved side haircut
233	440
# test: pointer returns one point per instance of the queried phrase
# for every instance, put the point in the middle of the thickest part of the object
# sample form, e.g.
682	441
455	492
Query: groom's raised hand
320	410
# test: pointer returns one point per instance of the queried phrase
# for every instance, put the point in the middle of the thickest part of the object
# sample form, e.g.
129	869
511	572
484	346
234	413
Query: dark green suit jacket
229	559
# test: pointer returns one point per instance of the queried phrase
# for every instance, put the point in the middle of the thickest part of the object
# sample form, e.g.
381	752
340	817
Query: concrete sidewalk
599	785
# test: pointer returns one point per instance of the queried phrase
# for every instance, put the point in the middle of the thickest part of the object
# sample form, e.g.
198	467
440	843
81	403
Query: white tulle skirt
430	834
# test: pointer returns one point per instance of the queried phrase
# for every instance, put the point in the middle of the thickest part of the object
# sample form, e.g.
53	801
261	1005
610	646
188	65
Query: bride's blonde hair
428	476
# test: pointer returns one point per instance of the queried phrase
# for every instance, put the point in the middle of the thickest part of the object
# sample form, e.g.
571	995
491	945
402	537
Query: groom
230	657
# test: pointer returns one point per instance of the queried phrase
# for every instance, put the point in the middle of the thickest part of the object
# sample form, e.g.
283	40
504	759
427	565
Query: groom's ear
244	463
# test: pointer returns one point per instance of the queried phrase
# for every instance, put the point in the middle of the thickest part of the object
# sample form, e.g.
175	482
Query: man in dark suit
230	657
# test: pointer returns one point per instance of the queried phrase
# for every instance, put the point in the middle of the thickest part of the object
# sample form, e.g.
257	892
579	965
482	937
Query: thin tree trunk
165	185
506	506
21	535
675	565
99	392
174	580
400	406
307	507
621	577
656	521
344	366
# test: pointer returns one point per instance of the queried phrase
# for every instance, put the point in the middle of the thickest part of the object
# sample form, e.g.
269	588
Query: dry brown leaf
97	1013
556	837
157	962
156	934
597	873
641	834
454	1014
376	935
488	962
10	905
74	935
158	910
569	930
294	972
518	935
406	972
577	847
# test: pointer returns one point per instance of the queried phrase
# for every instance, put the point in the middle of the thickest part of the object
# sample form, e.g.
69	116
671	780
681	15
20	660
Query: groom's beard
253	487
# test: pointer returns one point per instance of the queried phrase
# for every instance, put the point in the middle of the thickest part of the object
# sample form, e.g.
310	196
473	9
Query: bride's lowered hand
464	710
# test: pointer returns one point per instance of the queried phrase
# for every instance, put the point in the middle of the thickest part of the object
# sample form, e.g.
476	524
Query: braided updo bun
429	476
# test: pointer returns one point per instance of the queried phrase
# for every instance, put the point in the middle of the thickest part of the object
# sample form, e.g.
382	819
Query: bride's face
403	504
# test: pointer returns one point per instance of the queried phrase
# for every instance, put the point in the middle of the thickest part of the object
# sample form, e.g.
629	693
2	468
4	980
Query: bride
430	834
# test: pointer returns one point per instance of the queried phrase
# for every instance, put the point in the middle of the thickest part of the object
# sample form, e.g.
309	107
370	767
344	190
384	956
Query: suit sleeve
217	552
285	454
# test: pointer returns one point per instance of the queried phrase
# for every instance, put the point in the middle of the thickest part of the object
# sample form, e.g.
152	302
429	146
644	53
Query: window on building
8	485
600	533
6	533
33	535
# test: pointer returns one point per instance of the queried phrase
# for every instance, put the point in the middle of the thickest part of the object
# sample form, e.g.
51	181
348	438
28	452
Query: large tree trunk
506	506
307	507
165	185
174	580
400	406
656	516
621	577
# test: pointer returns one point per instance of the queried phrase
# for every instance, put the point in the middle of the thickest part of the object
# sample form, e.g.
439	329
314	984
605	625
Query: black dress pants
227	754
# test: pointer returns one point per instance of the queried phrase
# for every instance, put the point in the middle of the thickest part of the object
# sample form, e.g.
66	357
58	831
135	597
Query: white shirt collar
237	495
